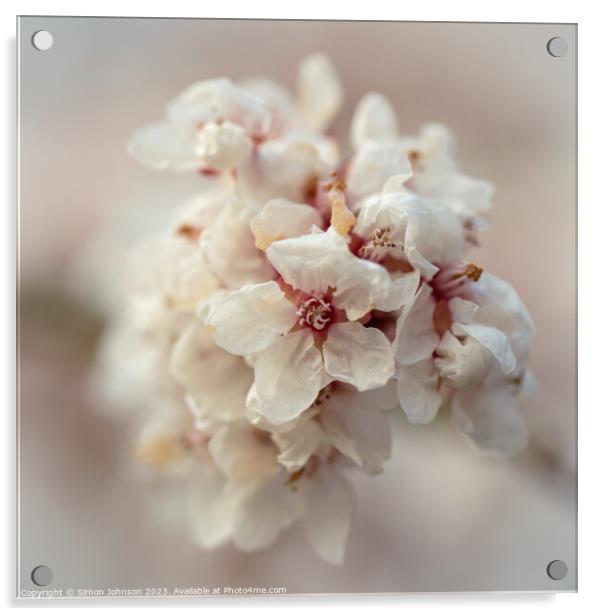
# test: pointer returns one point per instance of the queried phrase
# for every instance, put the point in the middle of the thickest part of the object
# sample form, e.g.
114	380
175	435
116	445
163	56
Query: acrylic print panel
296	307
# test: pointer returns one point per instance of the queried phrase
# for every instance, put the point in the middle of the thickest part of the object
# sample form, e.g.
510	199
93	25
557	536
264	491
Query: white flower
477	363
407	228
374	120
281	219
435	173
351	422
490	419
328	290
228	246
223	146
191	137
319	90
215	382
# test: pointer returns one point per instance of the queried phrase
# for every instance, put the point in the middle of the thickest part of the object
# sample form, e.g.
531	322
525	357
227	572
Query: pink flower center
315	312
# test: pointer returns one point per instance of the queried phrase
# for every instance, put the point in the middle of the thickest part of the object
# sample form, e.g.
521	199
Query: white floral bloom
490	419
472	353
353	423
216	383
407	228
191	138
288	167
281	219
320	91
436	174
223	146
228	247
434	171
321	499
329	289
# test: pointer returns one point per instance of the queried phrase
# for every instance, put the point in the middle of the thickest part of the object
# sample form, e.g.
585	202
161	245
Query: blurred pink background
440	517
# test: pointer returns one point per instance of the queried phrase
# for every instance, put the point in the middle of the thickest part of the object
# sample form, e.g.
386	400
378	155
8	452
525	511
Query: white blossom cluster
298	298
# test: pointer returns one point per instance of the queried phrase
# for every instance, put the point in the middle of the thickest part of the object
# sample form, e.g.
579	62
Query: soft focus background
440	517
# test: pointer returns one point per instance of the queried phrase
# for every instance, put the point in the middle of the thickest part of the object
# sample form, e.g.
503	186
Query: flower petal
161	146
373	120
357	429
228	247
319	91
219	99
373	165
401	292
415	337
280	219
244	454
490	419
358	355
216	381
418	393
298	444
329	504
212	510
268	511
501	307
463	364
495	341
312	262
249	320
288	376
223	146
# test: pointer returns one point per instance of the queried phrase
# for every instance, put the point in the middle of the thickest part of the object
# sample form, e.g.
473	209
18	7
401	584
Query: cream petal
329	504
319	91
288	376
256	417
161	146
212	510
320	262
501	307
251	319
268	511
358	355
463	364
495	341
280	219
375	164
284	167
418	393
463	311
433	235
401	291
490	419
415	337
363	287
312	263
373	120
223	146
357	429
298	444
216	381
228	247
219	99
245	455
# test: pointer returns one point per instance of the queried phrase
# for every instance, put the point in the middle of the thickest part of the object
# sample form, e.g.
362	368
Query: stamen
471	271
190	232
315	312
377	246
451	282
